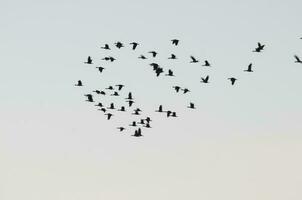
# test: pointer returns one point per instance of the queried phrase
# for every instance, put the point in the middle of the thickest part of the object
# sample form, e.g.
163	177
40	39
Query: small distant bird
148	119
119	45
173	114
185	90
100	69
297	59
89	97
158	71
136	112
79	83
259	48
147	125
103	109
193	59
115	94
154	53
232	80
175	42
192	105
106	46
138	133
109	115
160	109
120	86
206	63
89	60
177	88
130	102
109	88
121	128
99	104
134	45
142	57
205	80
142	121
173	56
129	96
110	58
133	123
122	109
111	106
168	113
99	92
154	65
170	73
249	68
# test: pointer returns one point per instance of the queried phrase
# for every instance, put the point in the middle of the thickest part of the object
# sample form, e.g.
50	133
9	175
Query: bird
134	45
154	53
129	96
205	80
130	102
99	92
175	42
173	114
109	115
121	128
173	56
168	113
206	63
106	46
158	71
232	79
103	109
154	65
79	83
111	106
109	58
109	88
249	68
185	90
89	60
138	133
133	123
297	59
147	125
193	59
89	97
259	48
177	88
160	109
170	73
120	86
119	45
122	109
136	112
192	105
142	57
148	119
100	69
115	94
99	104
142	121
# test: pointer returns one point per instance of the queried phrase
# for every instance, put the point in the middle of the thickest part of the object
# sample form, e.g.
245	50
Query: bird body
89	60
175	42
249	68
192	105
206	63
89	97
106	46
154	53
205	80
109	115
298	60
134	45
232	80
193	59
79	83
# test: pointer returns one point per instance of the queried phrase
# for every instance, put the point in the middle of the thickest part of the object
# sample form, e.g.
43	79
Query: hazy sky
243	141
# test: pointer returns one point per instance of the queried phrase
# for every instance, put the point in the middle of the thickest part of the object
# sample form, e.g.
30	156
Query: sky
242	141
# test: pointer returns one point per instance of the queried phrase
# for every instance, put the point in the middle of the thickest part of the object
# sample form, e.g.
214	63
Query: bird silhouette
136	112
160	109
133	123
158	71
134	45
130	103
168	113
142	121
297	59
99	92
173	56
177	88
89	60
99	104
175	42
121	128
119	86
109	58
100	69
232	80
138	133
205	80
154	53
173	114
109	115
89	97
249	68
206	63
259	48
79	83
103	109
170	73
154	65
115	94
111	106
129	96
147	125
119	45
142	57
106	46
185	90
192	105
193	59
122	109
109	88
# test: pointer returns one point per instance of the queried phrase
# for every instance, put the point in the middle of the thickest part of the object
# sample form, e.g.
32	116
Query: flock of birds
116	90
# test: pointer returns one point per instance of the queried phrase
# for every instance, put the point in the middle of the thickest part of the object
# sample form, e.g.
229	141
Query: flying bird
119	86
170	73
147	125
138	133
259	48
206	63
133	123
129	96
130	103
89	97
142	57
122	109
109	115
121	128
99	104
232	80
89	60
158	71
115	94
177	88
185	90
119	45
173	114
192	105
148	119
111	106
109	58
160	109
173	56
109	88
249	68
205	80
106	46
154	53
79	83
175	42
100	69
193	59
297	59
134	45
103	109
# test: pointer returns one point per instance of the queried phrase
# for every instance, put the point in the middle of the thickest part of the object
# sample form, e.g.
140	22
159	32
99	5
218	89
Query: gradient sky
243	142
